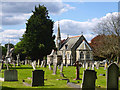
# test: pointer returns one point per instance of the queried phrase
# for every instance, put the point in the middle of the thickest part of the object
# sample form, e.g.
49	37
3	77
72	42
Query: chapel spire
58	38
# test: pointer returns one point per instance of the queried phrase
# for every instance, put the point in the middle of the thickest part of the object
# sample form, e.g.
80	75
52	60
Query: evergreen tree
38	39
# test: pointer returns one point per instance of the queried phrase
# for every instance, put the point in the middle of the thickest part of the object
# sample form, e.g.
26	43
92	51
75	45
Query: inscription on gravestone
112	77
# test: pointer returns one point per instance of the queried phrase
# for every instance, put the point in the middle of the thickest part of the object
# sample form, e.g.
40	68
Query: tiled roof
70	42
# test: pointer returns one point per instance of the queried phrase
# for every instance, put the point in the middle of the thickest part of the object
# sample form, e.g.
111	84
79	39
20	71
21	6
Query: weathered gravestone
77	70
89	79
112	77
55	69
93	66
61	68
38	78
10	75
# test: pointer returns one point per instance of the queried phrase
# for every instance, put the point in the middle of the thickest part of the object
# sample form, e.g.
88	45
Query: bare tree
110	27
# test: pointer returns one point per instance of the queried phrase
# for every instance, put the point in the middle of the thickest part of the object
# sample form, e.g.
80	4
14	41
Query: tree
110	27
38	39
4	50
102	47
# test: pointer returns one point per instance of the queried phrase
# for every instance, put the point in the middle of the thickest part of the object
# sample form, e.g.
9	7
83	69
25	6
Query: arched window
88	55
81	55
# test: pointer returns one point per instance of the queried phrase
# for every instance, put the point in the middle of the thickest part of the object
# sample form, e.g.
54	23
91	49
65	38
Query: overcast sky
74	17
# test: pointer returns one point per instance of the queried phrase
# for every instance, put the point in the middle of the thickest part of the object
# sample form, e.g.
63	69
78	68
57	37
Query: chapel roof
70	42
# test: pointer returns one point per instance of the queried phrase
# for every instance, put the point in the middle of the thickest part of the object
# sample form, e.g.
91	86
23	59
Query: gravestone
25	62
38	78
90	66
93	66
77	70
38	62
41	63
55	69
61	68
89	79
105	66
18	59
86	65
112	77
33	65
10	75
97	65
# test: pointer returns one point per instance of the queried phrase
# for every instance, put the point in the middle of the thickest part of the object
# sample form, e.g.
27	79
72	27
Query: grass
69	72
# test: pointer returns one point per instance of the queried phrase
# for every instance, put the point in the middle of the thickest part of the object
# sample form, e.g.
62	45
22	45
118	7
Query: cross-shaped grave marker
77	70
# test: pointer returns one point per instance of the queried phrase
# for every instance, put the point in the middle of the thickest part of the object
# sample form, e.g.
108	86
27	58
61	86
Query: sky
75	18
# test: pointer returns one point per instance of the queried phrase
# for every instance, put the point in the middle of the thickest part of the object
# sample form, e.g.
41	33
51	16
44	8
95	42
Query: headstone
30	62
18	59
112	77
49	67
93	66
83	64
86	65
44	63
33	65
89	79
41	63
90	66
58	67
61	68
77	70
25	62
38	62
105	67
55	69
97	65
38	78
10	75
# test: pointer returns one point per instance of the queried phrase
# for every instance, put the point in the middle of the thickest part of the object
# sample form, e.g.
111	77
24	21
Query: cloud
73	28
14	13
70	27
11	36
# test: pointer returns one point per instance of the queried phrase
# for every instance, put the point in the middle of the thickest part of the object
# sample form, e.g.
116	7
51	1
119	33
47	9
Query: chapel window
81	55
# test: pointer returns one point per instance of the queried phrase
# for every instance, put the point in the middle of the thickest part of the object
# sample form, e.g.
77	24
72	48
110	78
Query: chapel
73	49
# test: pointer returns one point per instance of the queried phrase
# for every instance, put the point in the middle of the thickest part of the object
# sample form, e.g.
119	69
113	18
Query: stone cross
89	78
112	77
77	70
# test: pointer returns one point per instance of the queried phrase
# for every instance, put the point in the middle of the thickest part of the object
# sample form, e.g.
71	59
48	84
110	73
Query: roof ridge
75	36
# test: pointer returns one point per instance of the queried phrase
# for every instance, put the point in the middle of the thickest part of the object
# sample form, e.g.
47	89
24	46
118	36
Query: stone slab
10	75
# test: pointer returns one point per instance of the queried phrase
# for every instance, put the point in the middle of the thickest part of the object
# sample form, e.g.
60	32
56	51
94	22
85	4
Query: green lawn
70	72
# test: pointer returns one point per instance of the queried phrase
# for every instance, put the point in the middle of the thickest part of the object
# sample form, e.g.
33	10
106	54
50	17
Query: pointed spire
58	38
58	33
